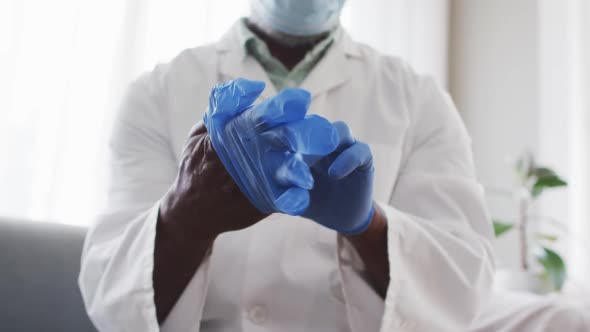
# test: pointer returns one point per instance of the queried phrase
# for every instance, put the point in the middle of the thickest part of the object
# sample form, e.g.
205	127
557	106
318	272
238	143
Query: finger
294	201
313	135
231	98
358	156
287	106
294	172
345	138
197	129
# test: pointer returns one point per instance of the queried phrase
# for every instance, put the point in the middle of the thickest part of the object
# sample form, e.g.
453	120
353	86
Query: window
65	65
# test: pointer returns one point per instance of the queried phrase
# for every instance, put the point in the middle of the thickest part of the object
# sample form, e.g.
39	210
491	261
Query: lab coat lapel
235	63
333	69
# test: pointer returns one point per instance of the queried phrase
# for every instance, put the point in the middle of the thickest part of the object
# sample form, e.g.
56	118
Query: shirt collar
248	40
230	41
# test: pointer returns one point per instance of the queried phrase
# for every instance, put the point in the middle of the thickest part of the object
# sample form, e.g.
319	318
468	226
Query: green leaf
554	267
547	237
543	183
542	172
501	227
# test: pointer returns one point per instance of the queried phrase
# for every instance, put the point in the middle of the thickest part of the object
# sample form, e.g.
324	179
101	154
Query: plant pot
522	281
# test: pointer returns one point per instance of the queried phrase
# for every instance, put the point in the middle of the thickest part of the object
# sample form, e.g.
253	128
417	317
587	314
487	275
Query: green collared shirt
278	74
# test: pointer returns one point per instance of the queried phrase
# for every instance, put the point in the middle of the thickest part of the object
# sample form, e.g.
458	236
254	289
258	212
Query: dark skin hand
204	202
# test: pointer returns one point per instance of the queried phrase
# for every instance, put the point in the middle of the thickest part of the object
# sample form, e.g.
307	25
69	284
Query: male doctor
393	234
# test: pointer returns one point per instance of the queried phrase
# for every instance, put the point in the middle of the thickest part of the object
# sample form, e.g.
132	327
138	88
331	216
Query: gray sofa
39	265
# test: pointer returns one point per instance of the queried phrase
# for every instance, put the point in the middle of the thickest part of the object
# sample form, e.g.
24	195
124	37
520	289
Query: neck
289	50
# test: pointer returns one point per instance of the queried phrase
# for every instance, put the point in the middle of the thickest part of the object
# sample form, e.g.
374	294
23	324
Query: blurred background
518	70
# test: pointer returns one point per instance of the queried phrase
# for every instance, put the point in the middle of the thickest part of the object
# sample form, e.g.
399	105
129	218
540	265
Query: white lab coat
287	273
523	312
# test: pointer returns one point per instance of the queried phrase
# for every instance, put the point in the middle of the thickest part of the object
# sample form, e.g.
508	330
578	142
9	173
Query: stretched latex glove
261	146
342	195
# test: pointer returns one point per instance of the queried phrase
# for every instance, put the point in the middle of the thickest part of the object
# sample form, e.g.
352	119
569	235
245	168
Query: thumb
231	98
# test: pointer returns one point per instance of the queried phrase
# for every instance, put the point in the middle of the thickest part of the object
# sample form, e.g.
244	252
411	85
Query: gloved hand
342	195
261	146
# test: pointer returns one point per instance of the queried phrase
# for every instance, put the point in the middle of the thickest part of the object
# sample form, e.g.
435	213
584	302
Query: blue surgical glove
262	145
342	195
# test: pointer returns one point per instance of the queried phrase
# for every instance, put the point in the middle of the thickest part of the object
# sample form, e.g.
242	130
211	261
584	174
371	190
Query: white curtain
416	30
581	137
65	64
564	140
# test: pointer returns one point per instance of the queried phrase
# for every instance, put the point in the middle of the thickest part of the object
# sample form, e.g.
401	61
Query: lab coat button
407	324
258	314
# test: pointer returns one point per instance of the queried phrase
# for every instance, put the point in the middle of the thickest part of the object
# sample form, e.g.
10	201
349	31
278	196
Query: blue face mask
298	17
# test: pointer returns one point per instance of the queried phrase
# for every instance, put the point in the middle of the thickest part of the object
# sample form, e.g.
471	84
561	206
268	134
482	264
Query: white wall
415	30
493	80
560	137
579	51
515	75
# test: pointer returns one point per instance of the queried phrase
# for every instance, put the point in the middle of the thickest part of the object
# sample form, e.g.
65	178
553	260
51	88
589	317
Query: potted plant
542	269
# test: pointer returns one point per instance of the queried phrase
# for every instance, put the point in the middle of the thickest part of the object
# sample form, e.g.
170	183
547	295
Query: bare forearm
175	262
371	246
202	203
